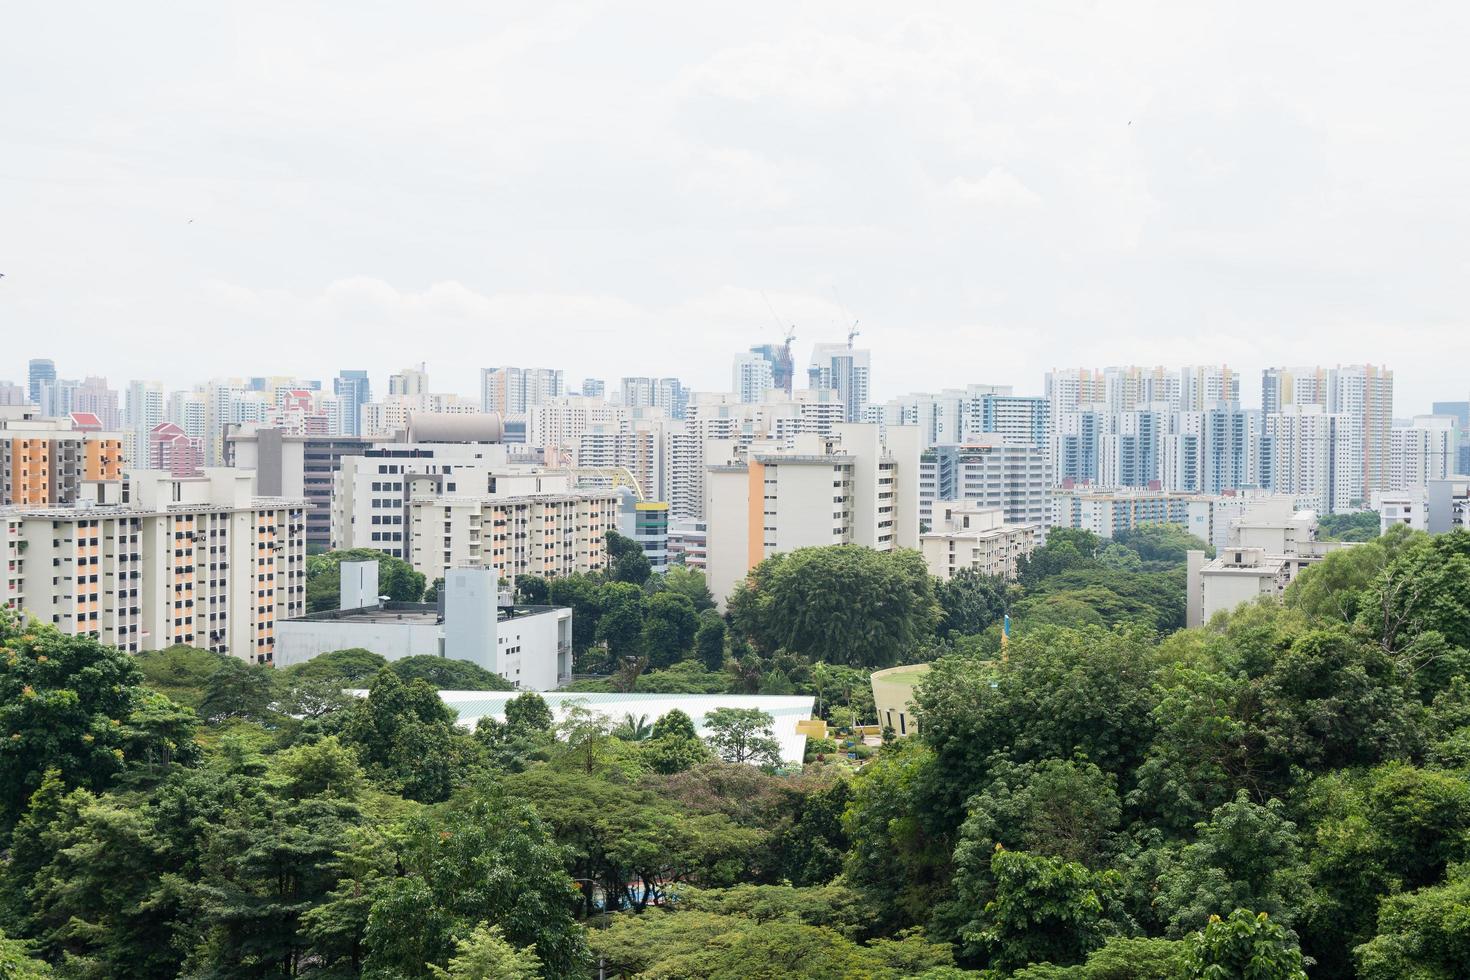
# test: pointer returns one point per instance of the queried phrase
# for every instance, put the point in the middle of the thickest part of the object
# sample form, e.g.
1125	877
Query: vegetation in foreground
1285	791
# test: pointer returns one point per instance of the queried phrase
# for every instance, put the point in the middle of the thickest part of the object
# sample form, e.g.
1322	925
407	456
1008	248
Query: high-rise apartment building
557	425
1426	449
174	451
957	415
45	461
594	388
857	486
751	377
547	533
666	394
515	391
840	368
409	381
143	408
638	445
1311	454
353	390
200	561
1202	388
290	464
1015	479
1362	391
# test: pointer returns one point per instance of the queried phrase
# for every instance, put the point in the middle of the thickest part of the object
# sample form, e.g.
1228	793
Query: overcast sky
992	189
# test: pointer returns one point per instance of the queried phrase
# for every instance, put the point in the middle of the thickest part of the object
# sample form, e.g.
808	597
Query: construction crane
851	333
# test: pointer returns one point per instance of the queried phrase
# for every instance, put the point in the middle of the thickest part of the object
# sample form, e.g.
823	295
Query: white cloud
998	187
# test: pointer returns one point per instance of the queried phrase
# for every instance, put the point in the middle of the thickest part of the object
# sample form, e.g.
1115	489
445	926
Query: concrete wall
298	640
358	588
470	610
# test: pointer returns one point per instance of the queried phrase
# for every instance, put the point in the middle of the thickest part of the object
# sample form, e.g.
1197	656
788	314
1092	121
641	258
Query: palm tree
633	728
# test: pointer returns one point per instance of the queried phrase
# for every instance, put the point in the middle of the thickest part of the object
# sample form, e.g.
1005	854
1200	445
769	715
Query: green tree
674	724
743	735
237	689
633	728
533	590
180	672
1063	809
529	713
626	561
1362	525
620	619
487	859
406	738
582	594
72	705
969	602
353	667
1162	544
709	642
485	955
1423	933
1060	694
269	859
843	604
1247	944
1045	910
691	584
1246	856
17	964
669	625
901	841
396	578
444	674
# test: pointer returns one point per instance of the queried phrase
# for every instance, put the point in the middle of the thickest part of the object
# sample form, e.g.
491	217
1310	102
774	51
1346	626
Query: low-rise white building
1269	547
530	646
788	712
977	538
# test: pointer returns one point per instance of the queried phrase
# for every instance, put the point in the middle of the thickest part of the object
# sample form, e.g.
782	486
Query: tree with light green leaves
742	735
485	955
1247	945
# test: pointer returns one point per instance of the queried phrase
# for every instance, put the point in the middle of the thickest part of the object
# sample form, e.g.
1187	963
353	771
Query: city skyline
946	179
1406	405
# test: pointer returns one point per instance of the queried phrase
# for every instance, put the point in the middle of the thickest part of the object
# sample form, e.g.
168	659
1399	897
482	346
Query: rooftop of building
410	614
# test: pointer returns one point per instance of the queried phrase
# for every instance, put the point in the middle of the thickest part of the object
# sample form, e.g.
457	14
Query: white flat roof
785	710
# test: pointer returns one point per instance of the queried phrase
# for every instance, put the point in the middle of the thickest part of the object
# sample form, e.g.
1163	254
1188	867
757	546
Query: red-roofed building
170	448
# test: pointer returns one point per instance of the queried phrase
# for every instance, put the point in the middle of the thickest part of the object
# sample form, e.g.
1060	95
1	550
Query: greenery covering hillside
1284	790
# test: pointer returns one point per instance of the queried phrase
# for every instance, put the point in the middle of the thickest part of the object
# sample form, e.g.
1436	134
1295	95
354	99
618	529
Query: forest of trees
1284	792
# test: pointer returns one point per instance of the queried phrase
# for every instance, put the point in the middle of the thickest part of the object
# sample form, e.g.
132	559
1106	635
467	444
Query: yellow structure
893	695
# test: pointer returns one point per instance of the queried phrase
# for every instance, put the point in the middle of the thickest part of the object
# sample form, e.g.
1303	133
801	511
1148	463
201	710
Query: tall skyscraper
355	391
842	369
42	371
783	368
751	377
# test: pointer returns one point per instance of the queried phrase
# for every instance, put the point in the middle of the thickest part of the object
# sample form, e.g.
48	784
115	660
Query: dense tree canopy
1286	789
843	604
